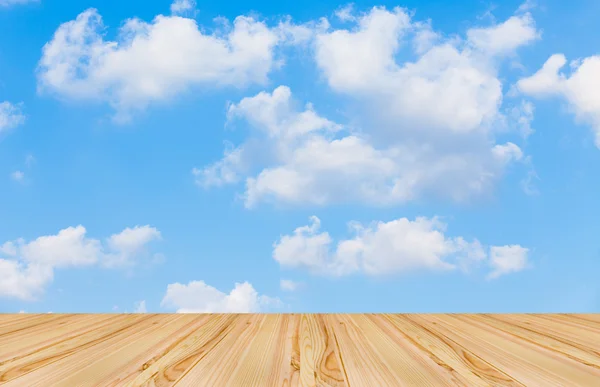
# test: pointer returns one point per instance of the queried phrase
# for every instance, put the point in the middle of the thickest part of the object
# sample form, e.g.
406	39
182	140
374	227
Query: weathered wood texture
299	350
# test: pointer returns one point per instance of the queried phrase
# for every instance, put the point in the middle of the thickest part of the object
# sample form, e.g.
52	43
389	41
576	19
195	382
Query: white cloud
299	34
451	87
128	244
296	156
198	297
140	307
346	13
507	259
274	114
581	89
527	183
306	248
26	268
425	38
382	248
18	176
504	38
288	285
11	115
522	116
425	128
8	3
527	6
9	248
152	61
507	152
23	281
180	7
346	57
225	171
70	247
131	240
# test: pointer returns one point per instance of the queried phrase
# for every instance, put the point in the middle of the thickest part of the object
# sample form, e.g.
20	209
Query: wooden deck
299	350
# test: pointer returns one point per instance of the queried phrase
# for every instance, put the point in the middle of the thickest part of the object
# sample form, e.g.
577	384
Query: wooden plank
370	354
185	352
98	363
581	336
544	338
590	317
290	350
531	364
220	363
9	319
54	363
319	359
470	368
23	342
258	365
18	324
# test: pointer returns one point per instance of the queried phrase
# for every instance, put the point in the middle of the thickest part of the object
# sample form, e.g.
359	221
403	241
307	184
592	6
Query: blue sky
310	157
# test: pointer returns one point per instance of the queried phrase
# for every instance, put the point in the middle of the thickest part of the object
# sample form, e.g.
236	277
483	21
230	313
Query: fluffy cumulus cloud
23	281
295	156
199	297
580	89
427	126
11	115
28	267
398	246
153	61
451	85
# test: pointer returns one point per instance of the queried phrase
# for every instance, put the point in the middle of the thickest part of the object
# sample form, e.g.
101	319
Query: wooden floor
299	350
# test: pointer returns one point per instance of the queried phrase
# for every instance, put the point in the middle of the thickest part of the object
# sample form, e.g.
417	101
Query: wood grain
328	350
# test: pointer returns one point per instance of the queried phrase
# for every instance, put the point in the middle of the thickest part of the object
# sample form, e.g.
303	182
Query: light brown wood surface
373	350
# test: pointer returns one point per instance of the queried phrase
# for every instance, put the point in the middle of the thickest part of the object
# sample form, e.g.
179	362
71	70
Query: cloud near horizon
390	248
27	268
199	297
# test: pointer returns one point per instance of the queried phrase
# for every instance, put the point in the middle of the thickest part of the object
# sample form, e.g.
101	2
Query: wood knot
295	364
